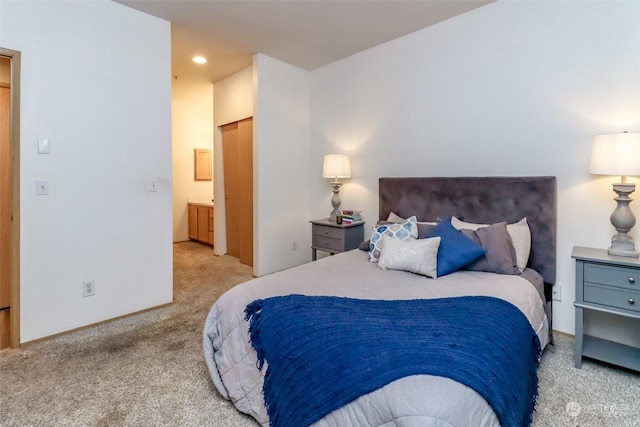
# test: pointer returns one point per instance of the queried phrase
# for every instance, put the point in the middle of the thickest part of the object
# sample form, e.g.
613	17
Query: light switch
44	147
153	185
42	187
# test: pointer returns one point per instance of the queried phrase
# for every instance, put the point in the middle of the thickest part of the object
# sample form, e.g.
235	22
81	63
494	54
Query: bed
413	398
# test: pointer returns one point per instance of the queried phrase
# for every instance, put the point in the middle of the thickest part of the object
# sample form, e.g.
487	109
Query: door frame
14	234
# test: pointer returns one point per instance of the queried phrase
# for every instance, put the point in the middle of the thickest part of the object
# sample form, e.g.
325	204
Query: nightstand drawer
622	277
331	232
612	297
321	242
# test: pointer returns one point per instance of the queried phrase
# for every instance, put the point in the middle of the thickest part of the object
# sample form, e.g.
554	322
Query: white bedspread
417	400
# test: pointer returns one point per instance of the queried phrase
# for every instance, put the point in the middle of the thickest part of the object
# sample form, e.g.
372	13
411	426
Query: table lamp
336	166
619	154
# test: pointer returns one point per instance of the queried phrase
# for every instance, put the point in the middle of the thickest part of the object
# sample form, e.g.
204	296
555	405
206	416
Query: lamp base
623	220
622	245
335	201
617	252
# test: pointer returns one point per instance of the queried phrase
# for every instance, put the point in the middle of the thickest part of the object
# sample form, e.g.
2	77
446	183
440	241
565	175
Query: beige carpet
148	369
144	370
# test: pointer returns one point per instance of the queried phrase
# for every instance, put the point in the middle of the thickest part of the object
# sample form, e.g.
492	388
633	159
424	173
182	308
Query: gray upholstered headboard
482	200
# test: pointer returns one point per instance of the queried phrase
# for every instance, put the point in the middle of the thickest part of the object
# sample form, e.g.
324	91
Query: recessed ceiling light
199	60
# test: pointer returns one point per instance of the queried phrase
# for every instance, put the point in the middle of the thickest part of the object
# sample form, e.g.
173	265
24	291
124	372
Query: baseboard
562	333
124	316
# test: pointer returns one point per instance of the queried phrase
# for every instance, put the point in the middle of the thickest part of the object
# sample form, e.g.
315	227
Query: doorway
237	157
9	198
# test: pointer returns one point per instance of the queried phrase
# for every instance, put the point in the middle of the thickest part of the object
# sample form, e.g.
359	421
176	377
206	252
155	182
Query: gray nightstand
610	284
335	238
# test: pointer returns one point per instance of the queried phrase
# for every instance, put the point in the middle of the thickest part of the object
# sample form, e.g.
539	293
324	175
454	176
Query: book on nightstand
349	216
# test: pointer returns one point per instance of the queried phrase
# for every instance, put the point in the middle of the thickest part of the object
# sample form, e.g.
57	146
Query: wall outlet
42	187
557	292
88	288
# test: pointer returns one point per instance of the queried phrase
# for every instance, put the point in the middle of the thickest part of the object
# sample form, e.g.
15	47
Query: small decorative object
619	154
336	166
339	219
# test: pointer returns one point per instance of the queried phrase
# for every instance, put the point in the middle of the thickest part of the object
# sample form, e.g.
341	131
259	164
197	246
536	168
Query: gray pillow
501	255
424	229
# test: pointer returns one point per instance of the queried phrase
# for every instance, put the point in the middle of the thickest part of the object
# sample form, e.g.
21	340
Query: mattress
414	400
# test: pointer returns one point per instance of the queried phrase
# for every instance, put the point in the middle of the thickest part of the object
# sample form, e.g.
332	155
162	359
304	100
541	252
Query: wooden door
203	224
245	167
193	222
5	216
10	200
231	192
237	153
210	215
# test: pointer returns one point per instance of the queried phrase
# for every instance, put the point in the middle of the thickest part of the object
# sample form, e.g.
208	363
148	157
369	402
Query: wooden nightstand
609	284
335	238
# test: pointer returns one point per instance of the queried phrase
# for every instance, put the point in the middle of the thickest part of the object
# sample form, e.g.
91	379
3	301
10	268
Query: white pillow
417	256
520	237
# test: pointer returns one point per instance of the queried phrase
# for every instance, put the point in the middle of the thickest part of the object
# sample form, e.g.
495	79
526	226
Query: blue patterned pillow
406	230
456	250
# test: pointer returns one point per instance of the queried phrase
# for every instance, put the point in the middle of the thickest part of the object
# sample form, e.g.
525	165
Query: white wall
192	124
281	180
96	80
276	95
512	88
232	101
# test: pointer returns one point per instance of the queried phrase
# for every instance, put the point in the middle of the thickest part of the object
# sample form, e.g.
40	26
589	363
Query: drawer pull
631	301
632	280
327	232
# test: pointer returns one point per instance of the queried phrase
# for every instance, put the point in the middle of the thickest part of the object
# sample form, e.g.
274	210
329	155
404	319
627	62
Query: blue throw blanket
324	352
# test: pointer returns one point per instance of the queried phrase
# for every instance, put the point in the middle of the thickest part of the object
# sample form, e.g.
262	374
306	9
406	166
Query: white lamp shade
616	154
336	166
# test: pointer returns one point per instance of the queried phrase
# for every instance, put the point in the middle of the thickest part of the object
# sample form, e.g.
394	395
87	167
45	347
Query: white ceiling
304	33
